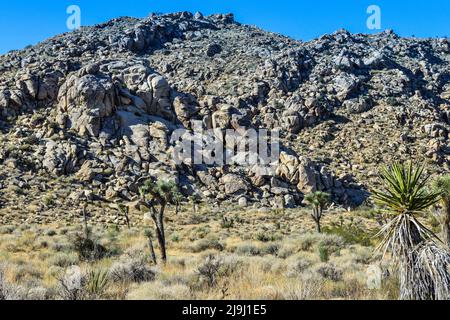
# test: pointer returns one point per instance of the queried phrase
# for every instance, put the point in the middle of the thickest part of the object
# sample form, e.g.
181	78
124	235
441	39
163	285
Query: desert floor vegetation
236	255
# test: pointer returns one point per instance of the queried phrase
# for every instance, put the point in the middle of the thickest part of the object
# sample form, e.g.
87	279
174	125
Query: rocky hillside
85	115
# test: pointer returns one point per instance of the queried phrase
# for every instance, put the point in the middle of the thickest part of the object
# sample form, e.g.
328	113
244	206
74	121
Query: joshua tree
178	199
442	186
149	235
125	211
422	264
194	200
318	200
155	196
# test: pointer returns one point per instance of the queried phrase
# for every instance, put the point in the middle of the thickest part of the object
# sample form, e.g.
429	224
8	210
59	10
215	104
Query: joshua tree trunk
317	215
127	219
152	251
158	218
318	228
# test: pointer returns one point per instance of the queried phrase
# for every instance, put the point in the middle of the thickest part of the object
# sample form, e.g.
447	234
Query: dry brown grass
286	263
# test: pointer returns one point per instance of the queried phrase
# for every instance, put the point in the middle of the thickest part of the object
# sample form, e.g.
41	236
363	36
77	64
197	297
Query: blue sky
28	22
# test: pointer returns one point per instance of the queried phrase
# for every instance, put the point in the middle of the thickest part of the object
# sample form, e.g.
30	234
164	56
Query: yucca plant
97	283
404	198
318	201
442	186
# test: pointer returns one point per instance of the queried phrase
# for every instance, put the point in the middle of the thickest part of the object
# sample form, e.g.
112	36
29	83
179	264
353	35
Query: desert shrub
197	219
247	249
175	237
304	290
297	266
213	267
63	260
333	243
7	229
50	233
324	254
160	291
72	284
306	242
9	291
206	244
362	255
287	250
227	223
132	269
350	289
271	248
61	246
351	234
266	237
38	294
232	264
330	272
210	270
88	249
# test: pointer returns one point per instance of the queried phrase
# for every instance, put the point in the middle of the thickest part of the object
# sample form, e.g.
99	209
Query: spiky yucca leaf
318	199
162	191
409	241
405	190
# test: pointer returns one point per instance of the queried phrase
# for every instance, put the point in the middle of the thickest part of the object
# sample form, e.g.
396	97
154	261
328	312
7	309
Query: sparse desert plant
227	223
63	260
330	272
131	269
298	265
405	237
88	249
206	244
247	249
324	253
9	291
158	194
160	291
318	201
442	186
72	284
210	270
97	283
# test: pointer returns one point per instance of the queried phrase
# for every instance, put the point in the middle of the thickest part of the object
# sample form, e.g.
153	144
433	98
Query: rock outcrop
98	106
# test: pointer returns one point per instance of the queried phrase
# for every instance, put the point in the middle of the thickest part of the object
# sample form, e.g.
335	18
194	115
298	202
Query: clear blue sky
28	22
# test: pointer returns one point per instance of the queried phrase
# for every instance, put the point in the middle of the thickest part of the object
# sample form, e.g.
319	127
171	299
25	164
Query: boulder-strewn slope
85	114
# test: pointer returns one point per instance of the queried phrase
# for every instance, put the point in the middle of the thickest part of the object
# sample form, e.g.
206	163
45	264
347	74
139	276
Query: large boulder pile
98	106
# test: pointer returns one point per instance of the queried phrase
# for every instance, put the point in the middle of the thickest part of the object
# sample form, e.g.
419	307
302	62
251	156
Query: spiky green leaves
318	199
405	190
161	191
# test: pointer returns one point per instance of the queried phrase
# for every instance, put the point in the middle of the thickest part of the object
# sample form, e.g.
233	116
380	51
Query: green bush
324	254
351	234
206	244
87	249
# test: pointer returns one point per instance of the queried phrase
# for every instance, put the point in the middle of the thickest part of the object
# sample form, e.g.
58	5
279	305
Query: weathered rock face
99	105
